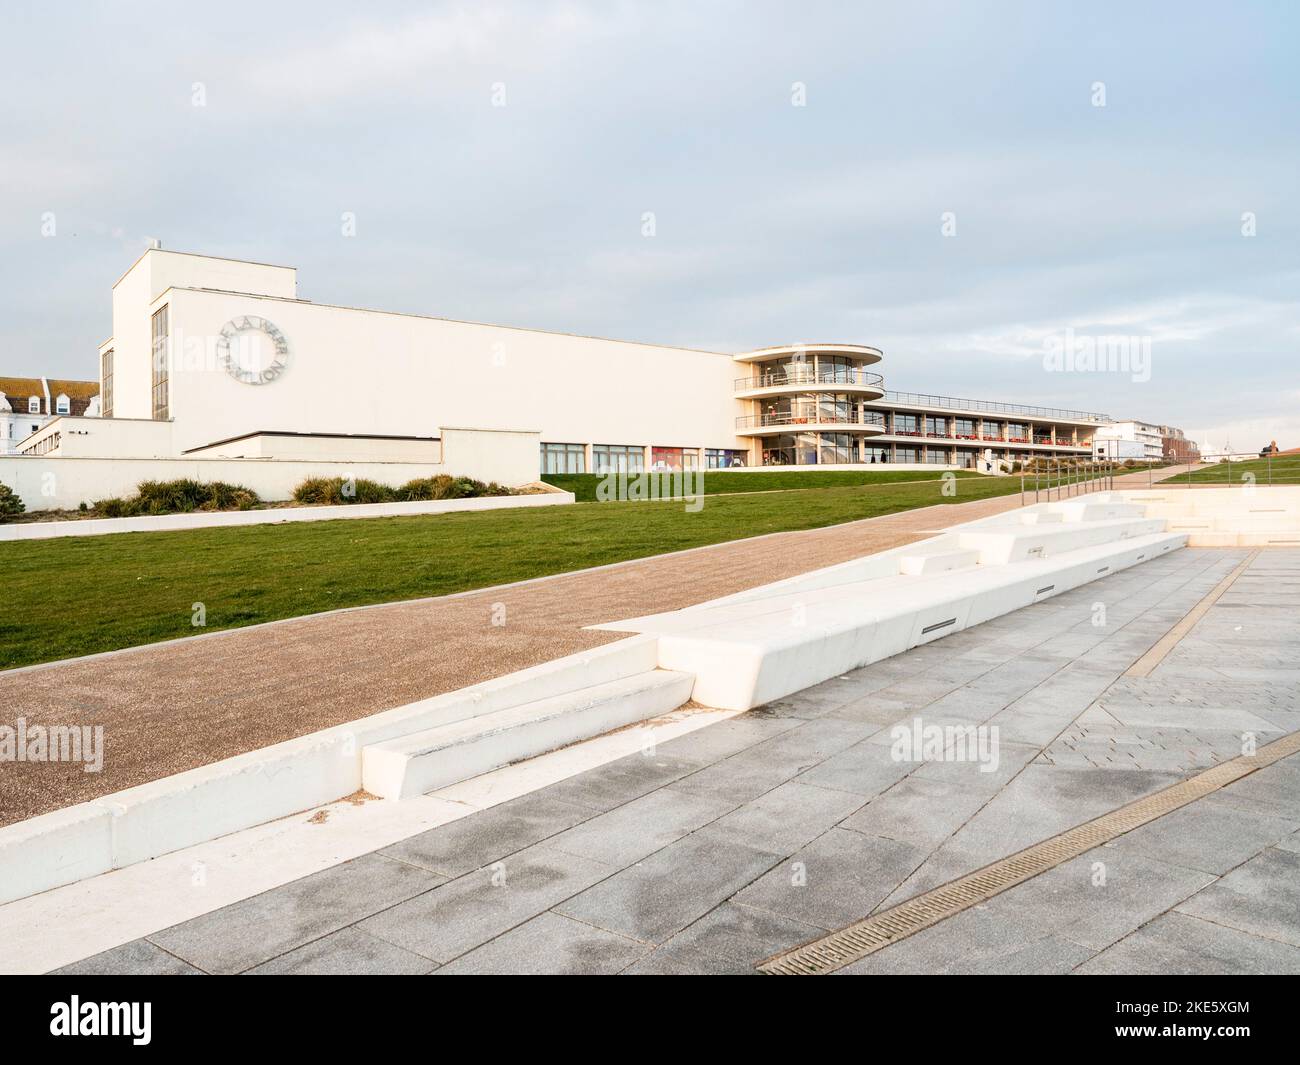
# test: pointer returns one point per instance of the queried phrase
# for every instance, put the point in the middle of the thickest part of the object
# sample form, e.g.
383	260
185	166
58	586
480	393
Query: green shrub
11	504
445	486
337	490
331	490
178	497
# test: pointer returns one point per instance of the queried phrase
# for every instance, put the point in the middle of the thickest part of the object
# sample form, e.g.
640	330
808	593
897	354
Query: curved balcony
857	352
833	379
826	421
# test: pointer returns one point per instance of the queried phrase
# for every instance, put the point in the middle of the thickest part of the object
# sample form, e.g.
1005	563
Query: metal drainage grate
938	625
1045	588
898	922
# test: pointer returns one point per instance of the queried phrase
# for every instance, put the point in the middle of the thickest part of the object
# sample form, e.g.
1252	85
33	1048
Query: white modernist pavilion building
216	361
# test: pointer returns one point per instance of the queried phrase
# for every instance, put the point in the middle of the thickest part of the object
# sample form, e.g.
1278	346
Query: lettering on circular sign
252	349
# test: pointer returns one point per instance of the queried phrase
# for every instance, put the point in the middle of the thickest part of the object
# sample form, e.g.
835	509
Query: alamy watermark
53	743
1073	352
621	486
919	742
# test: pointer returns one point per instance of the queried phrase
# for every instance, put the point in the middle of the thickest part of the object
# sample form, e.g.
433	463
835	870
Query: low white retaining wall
201	520
187	808
65	481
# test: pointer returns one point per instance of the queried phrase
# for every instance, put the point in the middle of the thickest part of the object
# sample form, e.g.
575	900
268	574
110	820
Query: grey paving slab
466	912
138	958
1274	789
838	878
628	833
725	738
865	769
1207	835
347	952
1261	896
761	768
550	945
671	888
741	934
481	838
678	960
1176	944
247	933
1291	843
917	809
976	941
787	817
621	781
1099	897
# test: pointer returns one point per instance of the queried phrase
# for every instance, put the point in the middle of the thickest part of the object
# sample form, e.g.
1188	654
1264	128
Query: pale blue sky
773	223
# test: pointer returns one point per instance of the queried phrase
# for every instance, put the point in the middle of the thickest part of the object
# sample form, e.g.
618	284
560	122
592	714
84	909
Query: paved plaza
747	837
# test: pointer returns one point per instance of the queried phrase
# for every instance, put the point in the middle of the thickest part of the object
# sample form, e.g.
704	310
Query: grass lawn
1282	470
726	482
80	595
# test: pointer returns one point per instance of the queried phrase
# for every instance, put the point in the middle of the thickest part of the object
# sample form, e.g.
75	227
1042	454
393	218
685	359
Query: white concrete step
422	761
1090	508
746	653
1018	543
937	562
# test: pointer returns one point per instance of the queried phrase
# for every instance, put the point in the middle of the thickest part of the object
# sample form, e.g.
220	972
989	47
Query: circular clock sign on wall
252	349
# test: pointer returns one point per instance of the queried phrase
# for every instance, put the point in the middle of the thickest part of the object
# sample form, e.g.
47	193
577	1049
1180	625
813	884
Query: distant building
1177	447
28	403
1129	440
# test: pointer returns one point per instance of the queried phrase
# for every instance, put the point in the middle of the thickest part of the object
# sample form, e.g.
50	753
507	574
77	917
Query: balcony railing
824	417
834	376
917	399
961	438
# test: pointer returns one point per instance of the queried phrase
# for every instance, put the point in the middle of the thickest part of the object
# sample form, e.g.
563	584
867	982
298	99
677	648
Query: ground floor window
835	447
907	454
936	456
790	449
674	458
721	458
564	458
617	458
819	449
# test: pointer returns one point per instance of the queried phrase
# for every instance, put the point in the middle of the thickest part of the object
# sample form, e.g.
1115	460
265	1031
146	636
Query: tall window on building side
106	389
161	407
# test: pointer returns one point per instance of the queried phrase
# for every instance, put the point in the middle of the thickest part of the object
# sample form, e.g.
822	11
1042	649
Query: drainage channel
869	935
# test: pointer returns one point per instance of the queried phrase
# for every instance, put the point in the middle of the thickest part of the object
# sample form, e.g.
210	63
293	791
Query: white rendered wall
365	372
63	483
151	275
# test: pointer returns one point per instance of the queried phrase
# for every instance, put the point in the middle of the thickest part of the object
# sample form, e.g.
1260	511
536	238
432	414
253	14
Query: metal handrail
839	376
917	399
1066	478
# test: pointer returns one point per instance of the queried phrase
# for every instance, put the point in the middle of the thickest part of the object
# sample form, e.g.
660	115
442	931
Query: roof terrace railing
917	399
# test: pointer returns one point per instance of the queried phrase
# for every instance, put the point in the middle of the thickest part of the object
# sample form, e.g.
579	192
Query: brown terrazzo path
175	706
